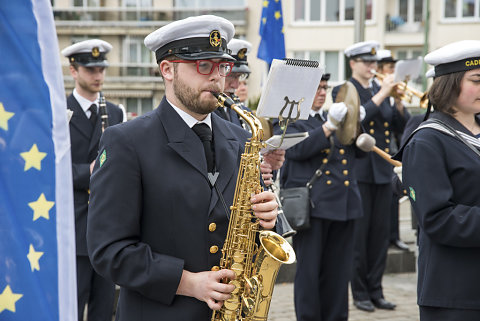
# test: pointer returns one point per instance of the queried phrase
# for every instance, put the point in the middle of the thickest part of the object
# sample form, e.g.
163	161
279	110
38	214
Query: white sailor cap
365	50
458	56
240	49
88	53
430	73
193	38
385	55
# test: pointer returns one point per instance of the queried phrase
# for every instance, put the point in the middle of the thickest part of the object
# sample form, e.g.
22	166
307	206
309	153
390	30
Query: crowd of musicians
152	195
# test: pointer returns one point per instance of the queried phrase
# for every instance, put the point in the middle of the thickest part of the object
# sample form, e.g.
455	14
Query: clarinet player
87	66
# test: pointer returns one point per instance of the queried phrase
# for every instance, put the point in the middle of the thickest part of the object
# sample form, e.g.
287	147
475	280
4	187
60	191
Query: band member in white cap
87	66
441	171
157	224
374	177
325	250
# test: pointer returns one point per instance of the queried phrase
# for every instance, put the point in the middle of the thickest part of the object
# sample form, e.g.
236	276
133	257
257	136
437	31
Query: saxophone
255	264
102	110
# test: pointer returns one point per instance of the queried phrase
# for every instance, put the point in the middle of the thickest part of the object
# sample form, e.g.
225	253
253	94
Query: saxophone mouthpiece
215	94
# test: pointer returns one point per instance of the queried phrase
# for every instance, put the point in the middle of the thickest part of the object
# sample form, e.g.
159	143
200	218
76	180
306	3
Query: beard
191	99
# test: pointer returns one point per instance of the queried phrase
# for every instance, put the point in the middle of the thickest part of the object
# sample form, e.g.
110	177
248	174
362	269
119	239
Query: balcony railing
138	16
398	24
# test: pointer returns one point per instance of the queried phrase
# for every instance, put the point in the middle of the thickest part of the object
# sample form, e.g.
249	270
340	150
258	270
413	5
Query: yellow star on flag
8	299
264	20
41	207
34	256
33	158
4	117
265	3
277	15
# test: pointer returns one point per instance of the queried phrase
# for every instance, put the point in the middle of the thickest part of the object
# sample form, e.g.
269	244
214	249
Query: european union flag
37	245
272	45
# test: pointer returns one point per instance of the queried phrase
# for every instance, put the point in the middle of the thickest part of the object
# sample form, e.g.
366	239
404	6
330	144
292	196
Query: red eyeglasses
206	67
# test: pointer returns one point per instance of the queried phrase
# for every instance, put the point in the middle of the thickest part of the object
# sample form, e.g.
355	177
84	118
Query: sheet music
288	141
408	69
292	78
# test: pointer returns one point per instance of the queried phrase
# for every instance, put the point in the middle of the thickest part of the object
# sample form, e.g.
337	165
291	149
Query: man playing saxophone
163	182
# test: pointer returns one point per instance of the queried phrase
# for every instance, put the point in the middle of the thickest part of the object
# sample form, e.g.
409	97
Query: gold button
345	172
329	182
387	141
88	190
327	172
327	150
325	161
385	124
372	123
212	227
213	249
404	192
215	268
341	151
346	183
387	150
372	131
387	133
344	161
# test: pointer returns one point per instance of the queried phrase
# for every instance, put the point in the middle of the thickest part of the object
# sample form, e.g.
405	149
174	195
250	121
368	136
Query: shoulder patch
103	157
412	193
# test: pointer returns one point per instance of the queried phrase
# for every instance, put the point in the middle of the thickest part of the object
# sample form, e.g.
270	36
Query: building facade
314	29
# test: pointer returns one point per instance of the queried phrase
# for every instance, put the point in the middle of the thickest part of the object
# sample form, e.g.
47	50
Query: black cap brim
205	55
365	57
241	69
103	63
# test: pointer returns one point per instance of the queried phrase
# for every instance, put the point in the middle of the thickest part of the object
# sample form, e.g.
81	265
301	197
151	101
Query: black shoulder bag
296	201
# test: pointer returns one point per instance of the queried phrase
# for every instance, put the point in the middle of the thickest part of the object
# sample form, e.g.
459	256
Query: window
332	60
232	10
137	58
138	106
138	14
461	9
86	3
328	10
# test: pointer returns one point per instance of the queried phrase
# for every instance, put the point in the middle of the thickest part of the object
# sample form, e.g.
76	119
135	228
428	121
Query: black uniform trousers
371	241
95	290
444	314
320	298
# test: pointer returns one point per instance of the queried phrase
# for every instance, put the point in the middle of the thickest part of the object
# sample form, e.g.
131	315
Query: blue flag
272	45
37	236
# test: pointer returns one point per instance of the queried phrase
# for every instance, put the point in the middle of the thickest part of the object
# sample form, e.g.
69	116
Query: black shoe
364	305
399	244
383	304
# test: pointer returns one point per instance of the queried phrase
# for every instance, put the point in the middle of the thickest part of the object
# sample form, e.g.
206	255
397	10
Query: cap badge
241	53
72	59
95	52
215	39
373	51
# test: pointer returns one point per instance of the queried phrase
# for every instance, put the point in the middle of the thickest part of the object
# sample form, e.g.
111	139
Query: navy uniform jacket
84	146
379	122
153	213
335	194
441	175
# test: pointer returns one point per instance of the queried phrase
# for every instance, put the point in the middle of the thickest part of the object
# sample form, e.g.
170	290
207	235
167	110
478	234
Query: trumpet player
325	250
87	67
374	177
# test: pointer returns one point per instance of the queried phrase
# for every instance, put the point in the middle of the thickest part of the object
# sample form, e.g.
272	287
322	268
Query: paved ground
398	288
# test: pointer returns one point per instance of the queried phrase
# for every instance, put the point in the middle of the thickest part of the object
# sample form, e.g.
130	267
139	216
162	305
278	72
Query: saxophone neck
250	119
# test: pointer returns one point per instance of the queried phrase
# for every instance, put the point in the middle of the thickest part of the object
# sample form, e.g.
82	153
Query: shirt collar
84	102
189	119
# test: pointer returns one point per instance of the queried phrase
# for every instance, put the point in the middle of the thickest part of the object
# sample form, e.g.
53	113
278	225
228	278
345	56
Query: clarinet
102	109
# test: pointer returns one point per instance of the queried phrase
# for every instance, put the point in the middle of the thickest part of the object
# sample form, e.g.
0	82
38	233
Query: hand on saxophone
275	158
264	207
207	286
336	114
266	170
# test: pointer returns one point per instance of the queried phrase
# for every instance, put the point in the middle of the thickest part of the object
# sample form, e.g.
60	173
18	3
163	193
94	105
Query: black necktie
317	116
93	115
205	134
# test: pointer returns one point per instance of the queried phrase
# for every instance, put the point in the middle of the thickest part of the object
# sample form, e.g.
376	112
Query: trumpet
408	92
